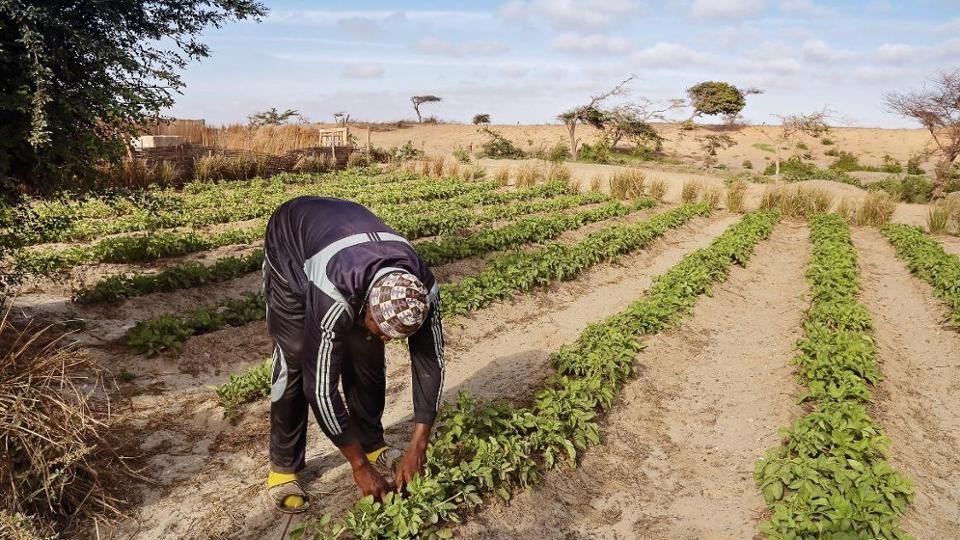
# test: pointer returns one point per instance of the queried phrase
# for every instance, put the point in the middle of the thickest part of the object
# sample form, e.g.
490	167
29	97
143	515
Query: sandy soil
210	473
680	445
869	144
919	402
950	243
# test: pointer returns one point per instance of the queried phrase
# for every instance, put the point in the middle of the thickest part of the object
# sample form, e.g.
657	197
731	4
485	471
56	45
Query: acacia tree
78	78
937	107
812	124
272	117
589	113
632	121
420	100
713	98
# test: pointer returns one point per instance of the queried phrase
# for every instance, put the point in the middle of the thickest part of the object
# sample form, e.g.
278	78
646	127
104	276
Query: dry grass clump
266	139
596	184
627	184
55	462
502	177
658	188
846	209
528	175
136	174
712	197
357	159
691	191
558	172
222	167
314	163
736	194
798	202
944	214
877	209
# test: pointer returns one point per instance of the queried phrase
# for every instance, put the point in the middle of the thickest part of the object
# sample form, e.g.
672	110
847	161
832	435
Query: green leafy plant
480	450
829	478
926	258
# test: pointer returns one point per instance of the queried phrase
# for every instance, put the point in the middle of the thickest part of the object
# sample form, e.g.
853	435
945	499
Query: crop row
524	271
484	449
926	258
446	216
829	478
87	217
503	277
257	200
434	252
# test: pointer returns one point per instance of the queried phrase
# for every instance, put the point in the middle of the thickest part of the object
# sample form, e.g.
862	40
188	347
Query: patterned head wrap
398	304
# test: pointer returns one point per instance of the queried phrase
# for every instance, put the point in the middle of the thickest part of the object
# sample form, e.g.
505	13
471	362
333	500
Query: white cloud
514	70
896	53
572	42
470	48
726	9
806	7
668	55
570	13
360	26
819	52
363	71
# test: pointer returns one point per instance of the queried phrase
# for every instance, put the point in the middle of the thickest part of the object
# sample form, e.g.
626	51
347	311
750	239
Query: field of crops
615	368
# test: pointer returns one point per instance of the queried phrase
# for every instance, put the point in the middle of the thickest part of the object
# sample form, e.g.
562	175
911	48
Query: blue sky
526	60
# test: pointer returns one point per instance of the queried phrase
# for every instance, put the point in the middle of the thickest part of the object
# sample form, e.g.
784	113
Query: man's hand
370	481
413	460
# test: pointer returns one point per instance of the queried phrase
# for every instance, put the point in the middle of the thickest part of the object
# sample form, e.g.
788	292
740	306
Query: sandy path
919	402
680	446
500	351
950	243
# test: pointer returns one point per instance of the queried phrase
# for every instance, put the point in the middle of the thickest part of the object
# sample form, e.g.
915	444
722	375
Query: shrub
627	184
406	152
736	193
832	152
690	191
797	170
826	141
801	146
482	118
357	159
314	163
461	155
913	166
846	162
658	188
558	152
798	202
498	147
747	164
597	153
687	125
891	165
910	189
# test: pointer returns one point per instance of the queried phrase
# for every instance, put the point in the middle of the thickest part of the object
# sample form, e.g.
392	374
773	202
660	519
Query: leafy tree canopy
718	98
77	78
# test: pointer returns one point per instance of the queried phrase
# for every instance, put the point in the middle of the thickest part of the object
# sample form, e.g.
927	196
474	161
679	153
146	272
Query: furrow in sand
918	403
679	447
500	351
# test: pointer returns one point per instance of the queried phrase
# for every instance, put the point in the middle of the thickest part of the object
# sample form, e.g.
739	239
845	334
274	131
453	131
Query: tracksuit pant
363	377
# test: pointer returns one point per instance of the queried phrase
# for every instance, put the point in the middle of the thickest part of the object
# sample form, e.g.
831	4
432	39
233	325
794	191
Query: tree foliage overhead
713	98
76	78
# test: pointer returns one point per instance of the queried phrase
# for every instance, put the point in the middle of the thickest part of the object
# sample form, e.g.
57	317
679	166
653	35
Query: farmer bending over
338	284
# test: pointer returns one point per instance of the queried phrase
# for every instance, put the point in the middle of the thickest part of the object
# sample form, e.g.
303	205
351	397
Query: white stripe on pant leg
324	403
279	386
438	348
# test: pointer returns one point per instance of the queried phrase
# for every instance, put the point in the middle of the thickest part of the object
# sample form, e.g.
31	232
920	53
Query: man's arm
426	358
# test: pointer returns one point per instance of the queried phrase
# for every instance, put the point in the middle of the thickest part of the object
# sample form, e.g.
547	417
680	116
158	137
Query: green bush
913	166
826	141
497	146
798	170
846	162
910	188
